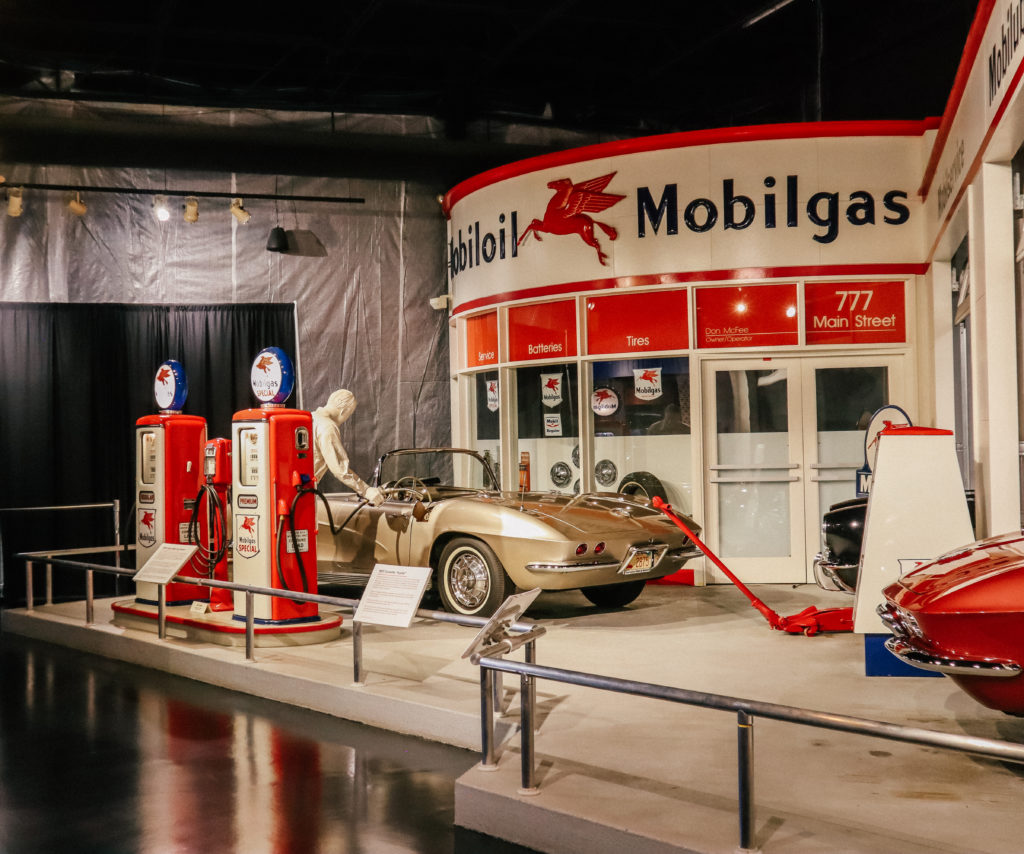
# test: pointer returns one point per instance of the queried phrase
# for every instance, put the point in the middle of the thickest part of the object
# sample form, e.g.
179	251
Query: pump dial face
272	377
170	387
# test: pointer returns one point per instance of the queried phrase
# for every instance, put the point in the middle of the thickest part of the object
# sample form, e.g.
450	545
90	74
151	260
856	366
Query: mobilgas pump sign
698	208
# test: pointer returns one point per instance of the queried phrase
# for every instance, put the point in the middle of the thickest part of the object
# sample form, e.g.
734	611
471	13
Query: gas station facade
714	316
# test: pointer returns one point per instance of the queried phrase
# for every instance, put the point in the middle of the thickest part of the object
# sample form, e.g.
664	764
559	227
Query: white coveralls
329	453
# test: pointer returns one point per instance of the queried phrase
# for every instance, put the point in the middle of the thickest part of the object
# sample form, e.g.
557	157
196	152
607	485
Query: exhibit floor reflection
98	756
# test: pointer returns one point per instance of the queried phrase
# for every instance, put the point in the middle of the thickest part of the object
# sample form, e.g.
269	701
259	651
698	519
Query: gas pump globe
273	507
168	473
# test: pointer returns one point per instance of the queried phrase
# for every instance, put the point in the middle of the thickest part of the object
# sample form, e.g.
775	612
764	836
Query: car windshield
436	467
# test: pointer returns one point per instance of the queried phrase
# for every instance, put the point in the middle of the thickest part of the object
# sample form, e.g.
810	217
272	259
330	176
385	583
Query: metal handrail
745	711
114	505
53	558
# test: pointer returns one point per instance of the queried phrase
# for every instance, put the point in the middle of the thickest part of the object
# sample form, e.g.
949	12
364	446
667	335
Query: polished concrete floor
616	773
106	757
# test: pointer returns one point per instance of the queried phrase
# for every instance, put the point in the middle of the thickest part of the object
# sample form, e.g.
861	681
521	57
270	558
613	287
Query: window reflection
641	427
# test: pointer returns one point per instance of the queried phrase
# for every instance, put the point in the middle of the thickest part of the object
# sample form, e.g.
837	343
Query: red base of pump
809	621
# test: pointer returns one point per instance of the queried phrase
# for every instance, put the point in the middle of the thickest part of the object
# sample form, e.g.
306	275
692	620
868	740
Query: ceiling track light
191	209
76	205
239	212
15	204
160	209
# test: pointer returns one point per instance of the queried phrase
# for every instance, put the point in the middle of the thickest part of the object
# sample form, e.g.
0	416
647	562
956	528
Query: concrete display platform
623	773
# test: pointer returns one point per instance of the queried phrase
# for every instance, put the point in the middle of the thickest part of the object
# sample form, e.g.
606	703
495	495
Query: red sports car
963	615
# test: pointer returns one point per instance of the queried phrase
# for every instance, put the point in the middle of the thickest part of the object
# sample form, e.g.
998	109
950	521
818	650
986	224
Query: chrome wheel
472	579
468	579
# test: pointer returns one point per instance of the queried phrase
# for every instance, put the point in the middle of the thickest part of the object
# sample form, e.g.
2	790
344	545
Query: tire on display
642	484
471	579
614	595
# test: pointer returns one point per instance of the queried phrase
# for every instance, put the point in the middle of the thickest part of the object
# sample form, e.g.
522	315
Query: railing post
531	658
116	505
498	686
357	653
90	611
161	611
745	753
526	735
49	583
487	761
250	627
29	595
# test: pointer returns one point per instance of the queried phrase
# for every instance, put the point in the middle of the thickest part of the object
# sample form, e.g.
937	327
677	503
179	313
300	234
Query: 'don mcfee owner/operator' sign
747	316
855	313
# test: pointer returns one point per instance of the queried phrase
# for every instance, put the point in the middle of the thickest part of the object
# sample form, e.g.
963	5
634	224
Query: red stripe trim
751	133
970	174
231	628
696	276
956	95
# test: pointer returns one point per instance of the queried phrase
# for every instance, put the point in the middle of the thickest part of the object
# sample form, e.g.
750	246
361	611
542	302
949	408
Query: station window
641	427
548	435
486	423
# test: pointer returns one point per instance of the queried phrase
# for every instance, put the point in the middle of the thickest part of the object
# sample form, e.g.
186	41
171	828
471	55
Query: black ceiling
607	68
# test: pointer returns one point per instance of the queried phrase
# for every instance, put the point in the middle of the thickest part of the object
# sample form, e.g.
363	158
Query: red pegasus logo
264	363
163	375
567	211
552	384
148	518
649	376
248	525
492	388
602	394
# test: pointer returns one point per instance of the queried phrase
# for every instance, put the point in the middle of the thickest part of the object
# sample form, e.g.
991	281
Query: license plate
641	561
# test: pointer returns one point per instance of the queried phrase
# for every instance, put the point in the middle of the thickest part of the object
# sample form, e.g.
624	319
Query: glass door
842	395
754	470
783	441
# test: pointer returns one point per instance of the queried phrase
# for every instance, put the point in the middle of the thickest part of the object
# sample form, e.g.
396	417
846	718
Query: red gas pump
168	473
273	502
214	504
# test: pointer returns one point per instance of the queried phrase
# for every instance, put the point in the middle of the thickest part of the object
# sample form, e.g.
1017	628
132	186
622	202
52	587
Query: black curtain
74	378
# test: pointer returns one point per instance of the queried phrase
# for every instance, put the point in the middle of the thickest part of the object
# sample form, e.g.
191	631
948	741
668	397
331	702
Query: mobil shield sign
722	204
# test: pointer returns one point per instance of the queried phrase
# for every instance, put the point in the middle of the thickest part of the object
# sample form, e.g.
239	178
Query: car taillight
599	548
581	549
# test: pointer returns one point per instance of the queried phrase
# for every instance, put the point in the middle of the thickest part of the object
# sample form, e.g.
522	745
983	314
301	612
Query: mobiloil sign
658	211
689	203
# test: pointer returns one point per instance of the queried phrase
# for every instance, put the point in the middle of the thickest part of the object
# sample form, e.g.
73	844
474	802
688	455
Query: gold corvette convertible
444	510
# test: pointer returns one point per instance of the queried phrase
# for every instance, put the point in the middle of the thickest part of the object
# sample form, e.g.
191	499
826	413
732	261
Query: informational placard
637	322
165	563
392	595
501	621
748	316
855	313
482	340
543	331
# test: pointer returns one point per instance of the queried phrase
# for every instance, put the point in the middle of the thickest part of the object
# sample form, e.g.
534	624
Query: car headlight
561	474
605	472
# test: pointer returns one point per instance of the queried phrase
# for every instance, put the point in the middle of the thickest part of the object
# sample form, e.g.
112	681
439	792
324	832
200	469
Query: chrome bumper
563	568
680	555
951	666
826	576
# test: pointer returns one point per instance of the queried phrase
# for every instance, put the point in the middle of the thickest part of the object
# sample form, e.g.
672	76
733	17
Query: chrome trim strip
990	667
567	567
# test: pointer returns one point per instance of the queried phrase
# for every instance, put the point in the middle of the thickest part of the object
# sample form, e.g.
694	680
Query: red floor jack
809	621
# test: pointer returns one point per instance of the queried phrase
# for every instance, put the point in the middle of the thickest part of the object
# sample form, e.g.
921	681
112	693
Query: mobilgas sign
661	210
742	203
